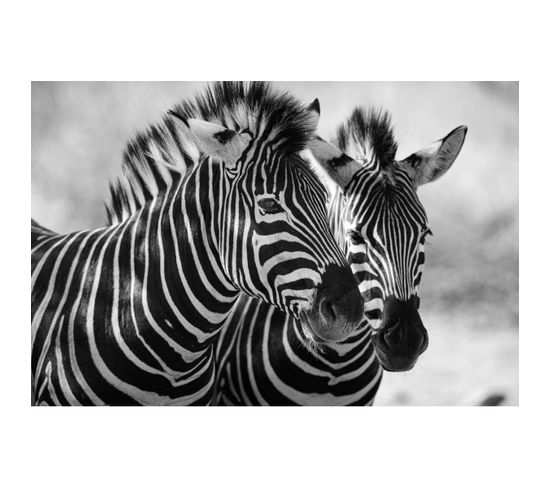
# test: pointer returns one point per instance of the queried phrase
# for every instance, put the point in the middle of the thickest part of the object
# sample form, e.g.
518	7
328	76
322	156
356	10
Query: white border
344	40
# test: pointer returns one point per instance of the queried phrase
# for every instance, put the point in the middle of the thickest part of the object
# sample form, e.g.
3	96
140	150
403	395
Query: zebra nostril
394	335
373	314
327	311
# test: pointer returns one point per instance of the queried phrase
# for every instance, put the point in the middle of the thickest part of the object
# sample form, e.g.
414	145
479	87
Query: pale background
470	286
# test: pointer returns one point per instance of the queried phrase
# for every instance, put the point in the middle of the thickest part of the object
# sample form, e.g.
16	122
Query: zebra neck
176	250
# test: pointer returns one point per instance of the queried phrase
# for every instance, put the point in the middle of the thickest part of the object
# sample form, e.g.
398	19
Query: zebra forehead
386	209
288	173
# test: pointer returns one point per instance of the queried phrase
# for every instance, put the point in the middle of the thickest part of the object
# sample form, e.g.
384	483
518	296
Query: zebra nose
328	311
406	339
402	329
395	335
340	304
343	312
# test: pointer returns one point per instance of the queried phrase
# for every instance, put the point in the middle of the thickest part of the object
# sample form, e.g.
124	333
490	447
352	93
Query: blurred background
470	286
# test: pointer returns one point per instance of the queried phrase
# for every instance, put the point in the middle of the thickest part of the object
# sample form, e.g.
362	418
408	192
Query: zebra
212	202
378	220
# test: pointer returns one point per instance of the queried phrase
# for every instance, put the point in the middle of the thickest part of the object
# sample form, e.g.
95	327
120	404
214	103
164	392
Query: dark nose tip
340	303
328	310
396	336
402	328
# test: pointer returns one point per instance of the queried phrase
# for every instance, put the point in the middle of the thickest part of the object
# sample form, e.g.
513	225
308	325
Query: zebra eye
355	237
270	206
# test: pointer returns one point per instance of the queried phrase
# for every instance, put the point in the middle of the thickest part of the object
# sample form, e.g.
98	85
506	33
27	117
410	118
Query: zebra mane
160	155
368	135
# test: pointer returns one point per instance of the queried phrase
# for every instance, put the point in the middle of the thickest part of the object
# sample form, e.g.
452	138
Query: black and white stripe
128	314
380	224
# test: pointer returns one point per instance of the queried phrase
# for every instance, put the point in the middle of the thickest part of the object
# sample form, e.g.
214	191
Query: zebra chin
401	337
336	310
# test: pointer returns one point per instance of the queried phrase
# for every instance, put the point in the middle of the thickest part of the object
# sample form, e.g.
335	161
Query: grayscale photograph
226	243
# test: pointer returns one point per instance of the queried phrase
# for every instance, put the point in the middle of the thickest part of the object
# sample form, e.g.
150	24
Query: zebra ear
215	140
433	161
330	162
315	111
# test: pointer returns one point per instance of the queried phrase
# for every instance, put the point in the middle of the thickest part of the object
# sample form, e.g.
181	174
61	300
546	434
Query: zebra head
273	239
384	226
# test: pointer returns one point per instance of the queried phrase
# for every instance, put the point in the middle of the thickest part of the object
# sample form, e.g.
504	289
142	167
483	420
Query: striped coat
213	202
380	224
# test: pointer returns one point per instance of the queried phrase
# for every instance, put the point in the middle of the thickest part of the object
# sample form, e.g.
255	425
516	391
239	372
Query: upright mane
160	155
368	135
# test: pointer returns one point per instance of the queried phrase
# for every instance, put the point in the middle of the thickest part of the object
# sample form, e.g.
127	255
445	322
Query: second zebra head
383	226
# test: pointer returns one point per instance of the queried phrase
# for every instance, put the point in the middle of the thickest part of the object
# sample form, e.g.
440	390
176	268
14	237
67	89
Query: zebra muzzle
338	306
401	337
